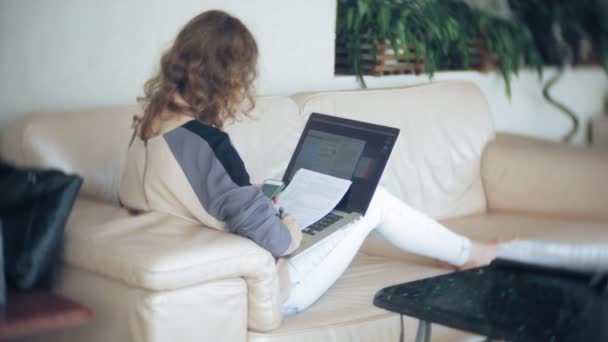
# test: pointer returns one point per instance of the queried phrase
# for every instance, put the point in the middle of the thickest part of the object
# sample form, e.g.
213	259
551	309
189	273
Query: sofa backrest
435	165
93	142
268	138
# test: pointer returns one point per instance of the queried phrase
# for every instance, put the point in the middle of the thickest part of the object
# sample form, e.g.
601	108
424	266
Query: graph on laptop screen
335	155
330	154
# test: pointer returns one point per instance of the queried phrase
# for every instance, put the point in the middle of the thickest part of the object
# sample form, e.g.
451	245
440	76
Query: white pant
315	270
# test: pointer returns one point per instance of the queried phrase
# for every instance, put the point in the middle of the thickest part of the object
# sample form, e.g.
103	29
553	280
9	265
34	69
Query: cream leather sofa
155	277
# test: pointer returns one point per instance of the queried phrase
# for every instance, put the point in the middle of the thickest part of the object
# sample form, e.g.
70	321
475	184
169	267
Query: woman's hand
294	231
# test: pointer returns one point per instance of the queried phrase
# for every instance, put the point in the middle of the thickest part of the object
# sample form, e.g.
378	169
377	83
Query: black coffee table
506	301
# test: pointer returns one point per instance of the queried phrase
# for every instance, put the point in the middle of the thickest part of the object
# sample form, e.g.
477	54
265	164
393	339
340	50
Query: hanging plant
439	33
560	29
404	28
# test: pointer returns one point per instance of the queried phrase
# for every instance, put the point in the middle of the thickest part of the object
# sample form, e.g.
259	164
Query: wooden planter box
480	58
387	63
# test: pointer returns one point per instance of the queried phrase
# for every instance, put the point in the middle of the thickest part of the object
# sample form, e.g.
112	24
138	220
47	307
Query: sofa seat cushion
507	226
346	313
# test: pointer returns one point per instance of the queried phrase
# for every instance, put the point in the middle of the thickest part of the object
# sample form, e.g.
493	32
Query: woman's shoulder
206	132
194	132
208	145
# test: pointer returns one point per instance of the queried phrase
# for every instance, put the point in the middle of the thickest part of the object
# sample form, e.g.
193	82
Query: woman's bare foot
482	253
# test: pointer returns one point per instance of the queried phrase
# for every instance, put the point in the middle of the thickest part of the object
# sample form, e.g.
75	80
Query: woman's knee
385	203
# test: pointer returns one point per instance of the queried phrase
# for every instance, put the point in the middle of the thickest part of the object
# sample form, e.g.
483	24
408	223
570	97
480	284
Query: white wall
82	53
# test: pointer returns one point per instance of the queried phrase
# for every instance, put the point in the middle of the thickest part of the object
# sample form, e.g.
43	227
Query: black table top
503	302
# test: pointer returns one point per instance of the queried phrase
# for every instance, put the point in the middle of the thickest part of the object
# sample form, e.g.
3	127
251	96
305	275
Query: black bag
2	281
34	206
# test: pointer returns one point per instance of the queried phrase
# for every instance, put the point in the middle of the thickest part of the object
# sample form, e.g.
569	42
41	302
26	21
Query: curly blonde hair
211	66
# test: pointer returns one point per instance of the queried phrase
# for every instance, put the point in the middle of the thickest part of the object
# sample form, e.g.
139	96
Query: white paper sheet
311	195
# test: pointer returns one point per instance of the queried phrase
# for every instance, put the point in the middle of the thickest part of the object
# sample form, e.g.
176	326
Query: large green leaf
384	19
350	14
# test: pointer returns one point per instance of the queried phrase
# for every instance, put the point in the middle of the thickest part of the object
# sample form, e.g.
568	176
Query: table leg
424	331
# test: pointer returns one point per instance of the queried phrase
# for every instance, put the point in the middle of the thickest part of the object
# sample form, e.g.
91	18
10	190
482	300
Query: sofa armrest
522	174
159	252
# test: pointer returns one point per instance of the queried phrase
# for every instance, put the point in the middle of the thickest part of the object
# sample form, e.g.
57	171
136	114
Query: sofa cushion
160	252
522	226
435	165
267	138
126	314
531	175
346	313
93	142
507	226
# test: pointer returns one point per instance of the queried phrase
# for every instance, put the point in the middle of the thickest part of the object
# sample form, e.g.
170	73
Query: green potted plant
438	33
508	42
366	29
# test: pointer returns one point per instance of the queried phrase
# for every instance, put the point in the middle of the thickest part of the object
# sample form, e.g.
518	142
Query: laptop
347	149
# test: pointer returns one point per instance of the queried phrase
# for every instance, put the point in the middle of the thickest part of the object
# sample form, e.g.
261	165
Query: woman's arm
218	176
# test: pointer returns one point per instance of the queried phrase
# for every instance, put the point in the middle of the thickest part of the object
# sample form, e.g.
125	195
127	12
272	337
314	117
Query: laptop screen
345	149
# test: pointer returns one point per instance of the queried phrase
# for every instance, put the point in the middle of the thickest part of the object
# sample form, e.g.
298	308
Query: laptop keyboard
323	223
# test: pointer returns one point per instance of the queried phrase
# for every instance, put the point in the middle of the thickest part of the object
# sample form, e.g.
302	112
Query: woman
182	163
